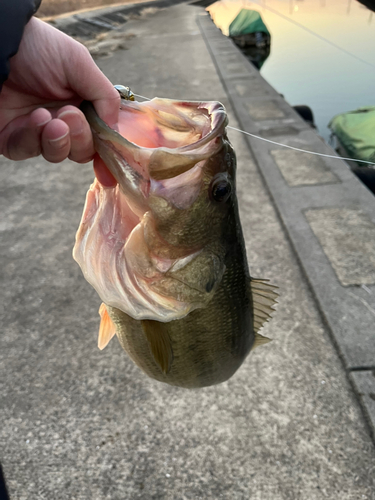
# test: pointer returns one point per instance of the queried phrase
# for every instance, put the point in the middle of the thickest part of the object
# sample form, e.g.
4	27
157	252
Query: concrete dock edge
312	195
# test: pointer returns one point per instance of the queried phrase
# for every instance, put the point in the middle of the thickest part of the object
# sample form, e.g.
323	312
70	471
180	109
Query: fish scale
209	344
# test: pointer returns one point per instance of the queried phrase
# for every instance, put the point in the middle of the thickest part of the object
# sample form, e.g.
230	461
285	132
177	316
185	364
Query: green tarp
247	21
356	132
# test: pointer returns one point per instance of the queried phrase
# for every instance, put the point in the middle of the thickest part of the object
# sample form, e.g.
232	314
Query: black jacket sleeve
14	15
3	489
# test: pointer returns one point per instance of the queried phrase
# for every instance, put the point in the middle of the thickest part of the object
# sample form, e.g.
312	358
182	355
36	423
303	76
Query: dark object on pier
370	4
305	113
366	175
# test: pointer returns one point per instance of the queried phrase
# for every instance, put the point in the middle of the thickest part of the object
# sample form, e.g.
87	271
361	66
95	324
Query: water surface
306	69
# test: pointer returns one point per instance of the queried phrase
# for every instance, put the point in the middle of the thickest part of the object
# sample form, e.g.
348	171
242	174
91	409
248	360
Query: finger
22	138
108	109
81	142
93	85
55	141
39	117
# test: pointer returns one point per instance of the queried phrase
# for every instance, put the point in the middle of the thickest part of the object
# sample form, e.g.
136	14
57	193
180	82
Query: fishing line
335	157
143	97
298	149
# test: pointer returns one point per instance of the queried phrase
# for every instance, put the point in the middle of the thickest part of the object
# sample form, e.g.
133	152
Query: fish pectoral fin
159	342
260	340
264	298
107	328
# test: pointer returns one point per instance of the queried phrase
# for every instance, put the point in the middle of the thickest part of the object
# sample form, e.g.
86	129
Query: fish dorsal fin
159	342
107	328
264	298
260	340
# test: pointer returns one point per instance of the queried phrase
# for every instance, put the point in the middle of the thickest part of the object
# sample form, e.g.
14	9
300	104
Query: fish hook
125	92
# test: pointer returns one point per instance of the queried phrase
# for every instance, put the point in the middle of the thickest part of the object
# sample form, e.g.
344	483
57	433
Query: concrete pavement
77	423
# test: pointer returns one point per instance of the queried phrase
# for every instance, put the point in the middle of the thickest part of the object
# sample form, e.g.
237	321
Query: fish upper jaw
159	139
166	164
134	183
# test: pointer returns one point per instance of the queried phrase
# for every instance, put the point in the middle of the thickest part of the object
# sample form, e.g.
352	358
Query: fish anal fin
107	328
260	340
264	298
160	343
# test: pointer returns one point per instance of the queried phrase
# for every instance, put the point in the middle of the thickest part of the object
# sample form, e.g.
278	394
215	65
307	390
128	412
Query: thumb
86	79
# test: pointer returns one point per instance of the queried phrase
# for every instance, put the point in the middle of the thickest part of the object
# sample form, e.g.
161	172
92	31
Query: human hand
49	77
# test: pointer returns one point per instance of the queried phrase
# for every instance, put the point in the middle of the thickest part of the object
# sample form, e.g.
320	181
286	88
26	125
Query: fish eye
221	189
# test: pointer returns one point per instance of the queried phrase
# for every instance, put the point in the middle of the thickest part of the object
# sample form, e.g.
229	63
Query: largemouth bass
163	245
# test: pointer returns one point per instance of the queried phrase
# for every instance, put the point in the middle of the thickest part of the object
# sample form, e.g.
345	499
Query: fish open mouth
158	153
152	132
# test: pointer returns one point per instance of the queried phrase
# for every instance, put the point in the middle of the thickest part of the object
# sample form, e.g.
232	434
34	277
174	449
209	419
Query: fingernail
73	120
41	124
114	126
61	141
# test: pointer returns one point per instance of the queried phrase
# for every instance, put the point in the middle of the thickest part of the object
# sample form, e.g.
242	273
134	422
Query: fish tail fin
264	298
107	328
